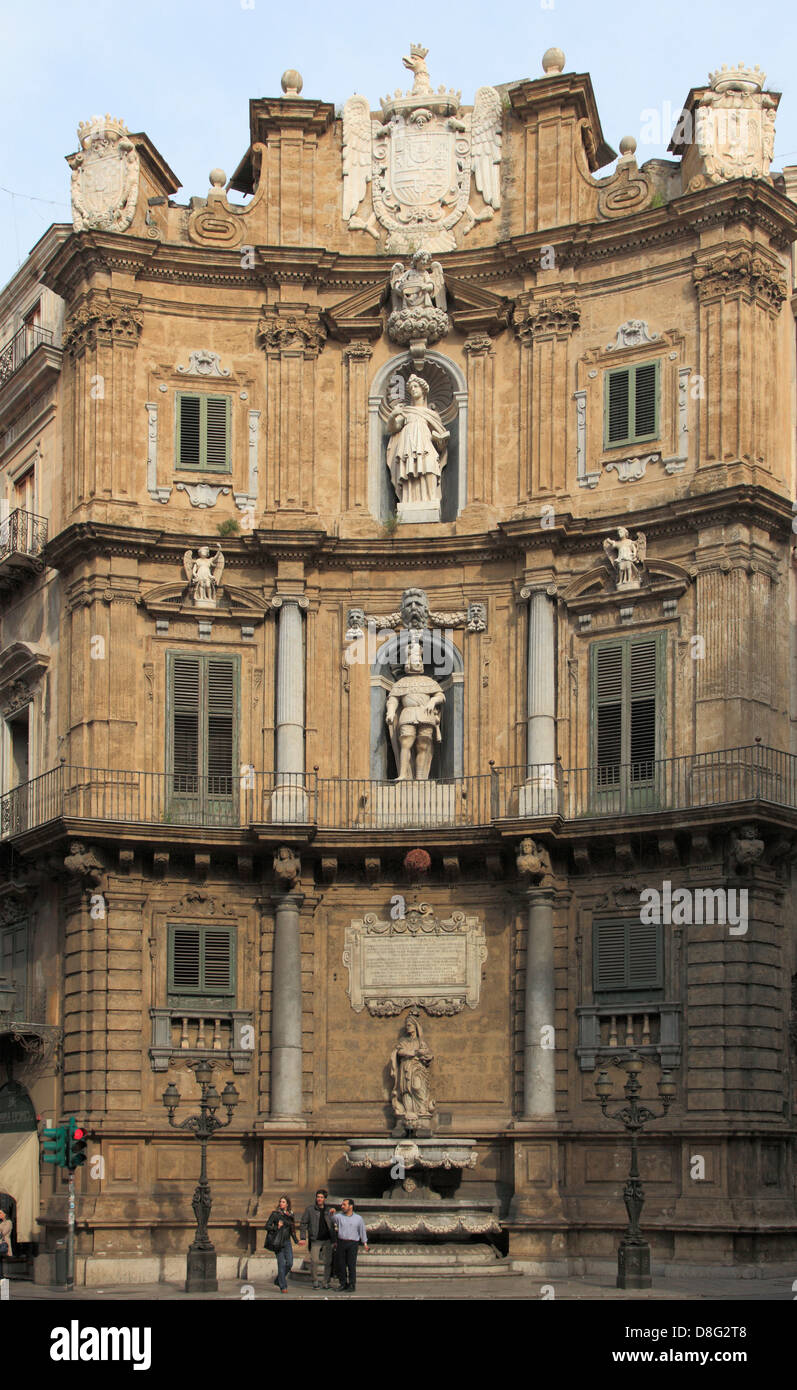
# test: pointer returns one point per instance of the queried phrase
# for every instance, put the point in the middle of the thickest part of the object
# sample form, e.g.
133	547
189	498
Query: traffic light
76	1144
55	1145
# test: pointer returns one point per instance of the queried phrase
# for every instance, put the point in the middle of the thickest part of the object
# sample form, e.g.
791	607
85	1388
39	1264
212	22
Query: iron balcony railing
19	348
724	778
22	533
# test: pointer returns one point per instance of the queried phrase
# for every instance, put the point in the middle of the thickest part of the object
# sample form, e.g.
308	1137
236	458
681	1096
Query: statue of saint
627	557
410	1060
417	451
413	711
204	574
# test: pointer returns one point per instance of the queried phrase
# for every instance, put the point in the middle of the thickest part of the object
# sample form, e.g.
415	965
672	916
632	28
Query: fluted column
289	795
541	789
286	1010
539	1049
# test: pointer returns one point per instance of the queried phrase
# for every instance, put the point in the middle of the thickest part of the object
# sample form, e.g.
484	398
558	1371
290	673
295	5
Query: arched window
449	397
442	661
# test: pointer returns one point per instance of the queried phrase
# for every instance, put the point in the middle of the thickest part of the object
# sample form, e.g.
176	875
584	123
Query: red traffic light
78	1134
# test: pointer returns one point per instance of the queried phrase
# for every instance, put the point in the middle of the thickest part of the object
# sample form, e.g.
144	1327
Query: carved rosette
743	272
558	315
102	321
297	331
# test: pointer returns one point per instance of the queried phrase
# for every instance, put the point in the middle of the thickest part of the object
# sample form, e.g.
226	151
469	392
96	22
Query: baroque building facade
343	700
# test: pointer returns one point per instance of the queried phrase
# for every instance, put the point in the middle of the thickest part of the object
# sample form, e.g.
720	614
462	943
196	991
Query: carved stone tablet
419	960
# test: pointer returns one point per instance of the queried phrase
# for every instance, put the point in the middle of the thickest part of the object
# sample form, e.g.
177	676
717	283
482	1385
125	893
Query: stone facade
217	776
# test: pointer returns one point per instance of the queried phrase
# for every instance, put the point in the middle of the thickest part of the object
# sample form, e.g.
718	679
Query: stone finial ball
217	177
291	82
553	61
627	145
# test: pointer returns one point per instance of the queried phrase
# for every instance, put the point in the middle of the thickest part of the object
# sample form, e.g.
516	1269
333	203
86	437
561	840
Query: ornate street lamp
200	1267
633	1254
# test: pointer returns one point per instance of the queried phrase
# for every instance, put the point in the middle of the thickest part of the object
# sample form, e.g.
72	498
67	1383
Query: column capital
290	899
279	599
529	590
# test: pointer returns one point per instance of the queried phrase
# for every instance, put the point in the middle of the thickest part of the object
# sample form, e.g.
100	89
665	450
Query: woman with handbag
280	1232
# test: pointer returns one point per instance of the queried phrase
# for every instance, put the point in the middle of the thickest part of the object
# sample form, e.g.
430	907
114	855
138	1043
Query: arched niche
448	393
445	665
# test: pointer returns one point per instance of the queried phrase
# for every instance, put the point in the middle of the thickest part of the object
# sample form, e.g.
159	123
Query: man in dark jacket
317	1224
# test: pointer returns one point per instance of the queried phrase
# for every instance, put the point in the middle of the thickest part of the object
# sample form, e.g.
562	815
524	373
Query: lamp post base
200	1272
633	1266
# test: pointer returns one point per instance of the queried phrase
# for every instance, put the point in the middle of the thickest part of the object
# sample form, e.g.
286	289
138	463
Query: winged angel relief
419	157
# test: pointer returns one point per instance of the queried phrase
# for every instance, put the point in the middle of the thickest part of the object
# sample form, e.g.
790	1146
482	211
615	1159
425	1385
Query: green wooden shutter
14	959
189	432
201	960
185	971
642	698
185	722
646	381
221	724
217	433
631	404
608	702
203	432
626	955
618	392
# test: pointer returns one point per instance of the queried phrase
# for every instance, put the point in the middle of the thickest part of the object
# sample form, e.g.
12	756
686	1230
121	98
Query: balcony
194	1032
506	800
19	348
23	537
609	1031
25	1034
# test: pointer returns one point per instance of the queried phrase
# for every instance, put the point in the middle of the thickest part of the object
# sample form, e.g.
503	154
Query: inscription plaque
419	960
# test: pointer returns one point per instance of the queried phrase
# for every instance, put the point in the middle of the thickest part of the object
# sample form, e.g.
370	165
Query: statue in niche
413	711
626	557
204	575
411	1096
417	452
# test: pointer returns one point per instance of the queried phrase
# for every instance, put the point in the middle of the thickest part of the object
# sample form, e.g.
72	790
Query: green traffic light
55	1145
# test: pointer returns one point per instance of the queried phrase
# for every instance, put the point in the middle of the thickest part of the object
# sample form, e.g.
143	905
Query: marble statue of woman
417	449
410	1060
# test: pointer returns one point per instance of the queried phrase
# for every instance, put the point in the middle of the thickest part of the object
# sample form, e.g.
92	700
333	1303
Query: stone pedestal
200	1272
409	804
417	512
633	1266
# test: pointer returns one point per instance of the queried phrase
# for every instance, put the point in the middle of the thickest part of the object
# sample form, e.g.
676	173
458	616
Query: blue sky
184	70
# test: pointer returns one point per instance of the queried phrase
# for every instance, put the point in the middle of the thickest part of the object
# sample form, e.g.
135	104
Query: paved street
590	1287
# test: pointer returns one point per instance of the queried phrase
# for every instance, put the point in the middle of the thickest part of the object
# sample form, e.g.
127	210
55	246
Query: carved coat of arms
735	125
104	176
418	158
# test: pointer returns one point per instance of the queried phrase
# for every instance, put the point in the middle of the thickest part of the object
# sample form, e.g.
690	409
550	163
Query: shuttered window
626	955
14	960
631	404
627	684
203	432
202	724
201	960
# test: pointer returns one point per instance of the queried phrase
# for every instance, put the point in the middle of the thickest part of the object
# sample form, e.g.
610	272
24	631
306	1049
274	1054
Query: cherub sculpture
417	301
627	557
204	575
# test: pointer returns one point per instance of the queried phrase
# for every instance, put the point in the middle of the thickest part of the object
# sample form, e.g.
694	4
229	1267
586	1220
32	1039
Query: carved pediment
471	309
22	666
175	601
595	588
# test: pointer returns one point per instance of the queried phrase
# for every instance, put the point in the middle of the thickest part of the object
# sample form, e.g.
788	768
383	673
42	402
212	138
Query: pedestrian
5	1235
280	1232
351	1235
317	1225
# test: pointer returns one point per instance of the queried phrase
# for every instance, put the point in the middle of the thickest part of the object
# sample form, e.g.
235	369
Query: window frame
632	437
197	805
174	995
639	793
202	466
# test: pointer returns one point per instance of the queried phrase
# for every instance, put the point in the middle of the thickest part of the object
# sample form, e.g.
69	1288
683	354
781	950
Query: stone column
539	796
286	1011
290	800
538	1043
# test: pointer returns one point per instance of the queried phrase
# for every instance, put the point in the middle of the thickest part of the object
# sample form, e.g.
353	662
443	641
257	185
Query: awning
19	1177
